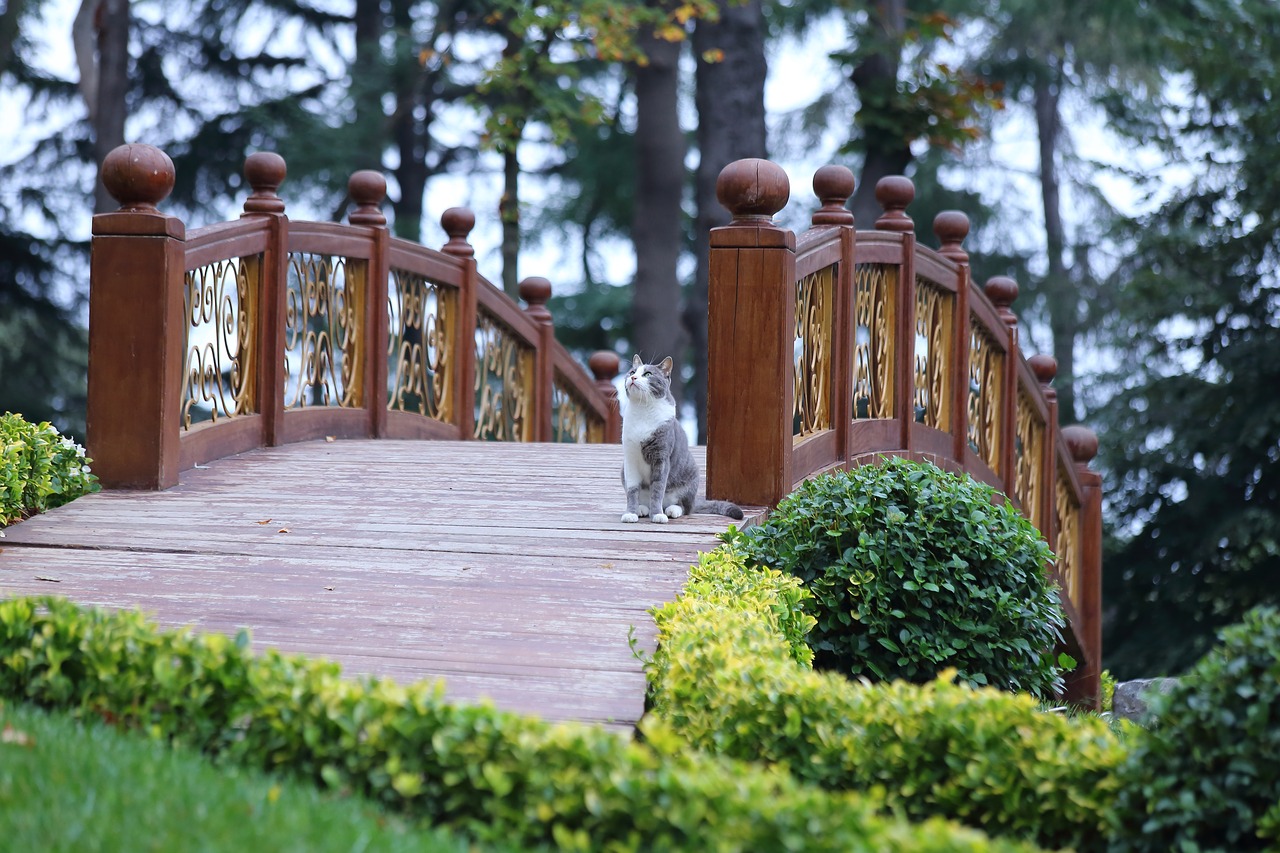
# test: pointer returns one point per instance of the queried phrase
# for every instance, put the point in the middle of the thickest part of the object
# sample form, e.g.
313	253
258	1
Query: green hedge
1206	774
490	774
726	677
39	469
914	570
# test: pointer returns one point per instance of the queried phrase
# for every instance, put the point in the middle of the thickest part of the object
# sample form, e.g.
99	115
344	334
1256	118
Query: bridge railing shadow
265	331
840	346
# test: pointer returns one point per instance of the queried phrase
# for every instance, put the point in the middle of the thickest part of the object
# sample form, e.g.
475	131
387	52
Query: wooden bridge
360	448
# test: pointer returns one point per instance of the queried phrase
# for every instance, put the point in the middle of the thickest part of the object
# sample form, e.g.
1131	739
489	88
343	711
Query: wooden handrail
267	330
839	347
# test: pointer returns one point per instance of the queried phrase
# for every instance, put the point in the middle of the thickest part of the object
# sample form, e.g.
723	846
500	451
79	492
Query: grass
68	786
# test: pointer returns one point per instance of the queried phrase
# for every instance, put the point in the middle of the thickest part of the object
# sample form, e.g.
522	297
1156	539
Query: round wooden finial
1045	367
535	291
951	227
265	171
604	365
833	185
895	192
138	176
1082	442
753	190
457	223
368	189
1001	290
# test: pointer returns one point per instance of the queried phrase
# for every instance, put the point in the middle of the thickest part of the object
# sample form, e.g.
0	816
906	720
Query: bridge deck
502	569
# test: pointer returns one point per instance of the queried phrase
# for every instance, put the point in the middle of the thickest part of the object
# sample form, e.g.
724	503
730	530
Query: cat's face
652	381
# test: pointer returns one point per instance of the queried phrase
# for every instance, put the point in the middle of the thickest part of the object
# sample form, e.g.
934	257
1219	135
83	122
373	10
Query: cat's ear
635	360
665	367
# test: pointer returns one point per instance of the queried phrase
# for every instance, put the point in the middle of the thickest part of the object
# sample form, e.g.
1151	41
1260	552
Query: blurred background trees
1116	159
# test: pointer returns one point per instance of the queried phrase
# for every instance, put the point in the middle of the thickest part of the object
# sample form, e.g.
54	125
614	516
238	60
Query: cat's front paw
675	511
630	517
642	511
658	518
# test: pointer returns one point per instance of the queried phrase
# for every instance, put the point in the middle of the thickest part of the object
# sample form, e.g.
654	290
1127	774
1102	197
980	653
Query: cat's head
648	381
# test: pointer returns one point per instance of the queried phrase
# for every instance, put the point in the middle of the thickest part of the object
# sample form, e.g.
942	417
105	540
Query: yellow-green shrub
39	469
726	678
493	775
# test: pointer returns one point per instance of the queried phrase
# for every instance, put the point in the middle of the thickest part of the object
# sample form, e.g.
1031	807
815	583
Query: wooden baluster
535	291
894	193
951	227
1002	291
1086	687
1045	369
605	365
265	171
457	223
368	189
833	185
751	328
136	323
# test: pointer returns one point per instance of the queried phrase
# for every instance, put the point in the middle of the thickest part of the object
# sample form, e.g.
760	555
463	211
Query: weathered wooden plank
502	568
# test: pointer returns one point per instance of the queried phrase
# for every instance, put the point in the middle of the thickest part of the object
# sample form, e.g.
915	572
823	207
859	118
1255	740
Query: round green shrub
1206	775
913	570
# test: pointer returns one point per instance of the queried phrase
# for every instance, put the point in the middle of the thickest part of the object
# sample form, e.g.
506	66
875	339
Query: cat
655	451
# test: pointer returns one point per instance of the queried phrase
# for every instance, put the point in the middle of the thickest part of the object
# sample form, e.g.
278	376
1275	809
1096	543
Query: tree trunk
411	136
367	77
876	78
656	230
100	35
1060	295
731	126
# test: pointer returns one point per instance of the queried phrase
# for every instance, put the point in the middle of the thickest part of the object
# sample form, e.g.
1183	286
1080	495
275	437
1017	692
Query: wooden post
457	223
368	189
1002	291
136	326
894	193
535	291
605	365
751	329
951	227
265	171
833	185
1086	688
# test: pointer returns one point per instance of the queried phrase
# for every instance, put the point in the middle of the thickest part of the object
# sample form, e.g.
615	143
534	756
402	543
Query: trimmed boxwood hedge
913	570
728	676
490	774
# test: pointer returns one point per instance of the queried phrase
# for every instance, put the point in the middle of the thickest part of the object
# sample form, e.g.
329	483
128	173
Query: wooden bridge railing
265	331
841	346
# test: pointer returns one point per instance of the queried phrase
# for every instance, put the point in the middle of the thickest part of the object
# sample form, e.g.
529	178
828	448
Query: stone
1131	697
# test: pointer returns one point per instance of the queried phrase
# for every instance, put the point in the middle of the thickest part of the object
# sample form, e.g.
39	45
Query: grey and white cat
655	451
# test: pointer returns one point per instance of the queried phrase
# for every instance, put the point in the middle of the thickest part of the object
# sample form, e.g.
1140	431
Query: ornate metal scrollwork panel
814	337
221	336
934	319
422	322
324	331
572	420
1028	447
504	383
986	397
875	287
1068	510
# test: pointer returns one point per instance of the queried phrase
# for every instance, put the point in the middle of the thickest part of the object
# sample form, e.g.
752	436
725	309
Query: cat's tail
732	510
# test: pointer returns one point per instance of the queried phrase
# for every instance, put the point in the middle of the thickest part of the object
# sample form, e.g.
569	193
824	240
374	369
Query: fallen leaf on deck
284	530
330	438
50	580
606	565
264	521
329	588
12	735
